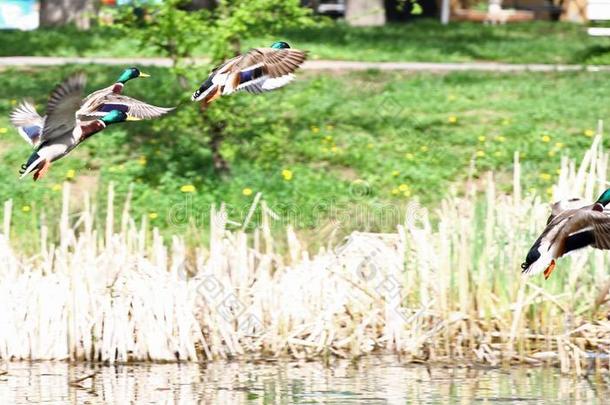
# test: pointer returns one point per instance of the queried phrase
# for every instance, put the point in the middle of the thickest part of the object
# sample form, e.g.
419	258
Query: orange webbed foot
549	270
42	171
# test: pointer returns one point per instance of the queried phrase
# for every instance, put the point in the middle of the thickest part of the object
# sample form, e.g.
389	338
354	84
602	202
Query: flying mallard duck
573	225
100	102
67	124
258	70
29	123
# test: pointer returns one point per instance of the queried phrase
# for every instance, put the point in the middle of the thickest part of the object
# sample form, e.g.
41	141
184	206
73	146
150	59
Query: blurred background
342	139
381	203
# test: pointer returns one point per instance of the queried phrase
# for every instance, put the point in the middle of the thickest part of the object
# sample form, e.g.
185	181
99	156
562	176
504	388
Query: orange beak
549	270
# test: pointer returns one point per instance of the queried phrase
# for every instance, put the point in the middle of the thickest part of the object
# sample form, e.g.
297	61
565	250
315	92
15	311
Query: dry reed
438	291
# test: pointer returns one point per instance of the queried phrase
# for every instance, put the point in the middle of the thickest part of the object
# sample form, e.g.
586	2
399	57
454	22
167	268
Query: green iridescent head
280	45
114	117
130	73
604	198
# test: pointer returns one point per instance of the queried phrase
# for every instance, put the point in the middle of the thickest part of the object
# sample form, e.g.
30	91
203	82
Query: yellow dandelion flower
13	102
480	153
589	132
500	138
482	138
546	138
559	145
407	193
549	190
3	130
545	176
558	171
409	156
334	149
153	215
403	188
369	145
395	173
315	129
246	191
287	174
395	191
424	148
452	119
26	208
142	161
56	187
187	188
70	174
328	138
552	153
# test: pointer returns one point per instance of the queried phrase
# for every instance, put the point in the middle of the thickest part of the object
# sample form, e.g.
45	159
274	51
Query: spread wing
589	221
28	122
564	205
63	103
601	229
275	62
264	69
131	106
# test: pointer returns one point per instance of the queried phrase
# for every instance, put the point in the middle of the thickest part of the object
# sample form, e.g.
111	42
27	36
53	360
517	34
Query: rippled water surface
373	380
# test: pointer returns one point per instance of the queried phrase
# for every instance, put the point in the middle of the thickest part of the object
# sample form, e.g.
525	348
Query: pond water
372	380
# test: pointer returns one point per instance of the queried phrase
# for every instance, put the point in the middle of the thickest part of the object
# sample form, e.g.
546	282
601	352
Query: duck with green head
256	71
66	125
29	123
54	149
572	226
100	102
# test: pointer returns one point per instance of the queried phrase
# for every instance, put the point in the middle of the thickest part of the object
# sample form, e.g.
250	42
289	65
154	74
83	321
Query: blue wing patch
111	107
32	132
250	75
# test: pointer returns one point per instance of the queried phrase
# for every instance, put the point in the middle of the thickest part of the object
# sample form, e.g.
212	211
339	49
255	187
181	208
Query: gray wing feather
561	206
27	121
134	108
63	103
601	229
278	66
275	62
588	219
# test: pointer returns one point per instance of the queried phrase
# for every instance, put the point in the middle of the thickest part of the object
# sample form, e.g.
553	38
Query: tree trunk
365	13
203	4
61	12
221	166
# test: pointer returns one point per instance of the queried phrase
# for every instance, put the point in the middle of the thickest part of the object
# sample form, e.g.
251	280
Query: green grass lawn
423	40
327	146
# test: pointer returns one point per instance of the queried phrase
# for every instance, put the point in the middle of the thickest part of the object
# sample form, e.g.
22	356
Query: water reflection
373	380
